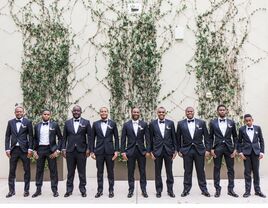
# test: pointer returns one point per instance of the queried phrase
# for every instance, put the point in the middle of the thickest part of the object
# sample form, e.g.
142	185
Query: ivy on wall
45	61
134	50
220	37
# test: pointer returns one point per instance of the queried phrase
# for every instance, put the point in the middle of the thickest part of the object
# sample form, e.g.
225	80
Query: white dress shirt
222	125
44	134
135	126
18	125
104	126
76	124
162	127
250	132
191	127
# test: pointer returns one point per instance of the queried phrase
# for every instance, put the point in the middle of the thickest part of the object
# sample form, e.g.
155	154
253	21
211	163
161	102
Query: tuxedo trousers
164	156
223	151
131	164
44	153
193	157
251	165
77	160
17	154
100	160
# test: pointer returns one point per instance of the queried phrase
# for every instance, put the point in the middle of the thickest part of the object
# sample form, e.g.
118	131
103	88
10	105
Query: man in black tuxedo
163	147
193	145
251	150
223	137
104	148
76	149
47	148
135	134
19	145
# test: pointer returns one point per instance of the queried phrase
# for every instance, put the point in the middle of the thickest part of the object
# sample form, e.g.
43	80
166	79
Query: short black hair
221	105
247	116
45	110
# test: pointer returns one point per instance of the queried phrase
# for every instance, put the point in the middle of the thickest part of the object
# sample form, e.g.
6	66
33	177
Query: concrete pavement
121	190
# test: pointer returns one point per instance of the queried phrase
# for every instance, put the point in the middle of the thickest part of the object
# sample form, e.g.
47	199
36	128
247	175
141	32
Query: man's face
222	112
135	114
19	112
189	112
46	115
161	113
248	121
76	112
104	113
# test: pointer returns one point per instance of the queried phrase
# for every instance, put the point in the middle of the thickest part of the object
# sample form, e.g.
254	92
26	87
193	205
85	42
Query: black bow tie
45	123
104	121
250	128
161	121
192	120
222	120
76	120
18	120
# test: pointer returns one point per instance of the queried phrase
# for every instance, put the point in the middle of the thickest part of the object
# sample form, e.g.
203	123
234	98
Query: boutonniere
197	126
109	126
22	126
230	126
140	127
51	129
167	127
256	132
83	126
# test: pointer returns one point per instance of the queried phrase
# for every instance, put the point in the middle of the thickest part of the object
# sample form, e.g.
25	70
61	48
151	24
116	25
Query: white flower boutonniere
22	126
256	132
140	127
167	127
198	127
109	126
230	126
51	129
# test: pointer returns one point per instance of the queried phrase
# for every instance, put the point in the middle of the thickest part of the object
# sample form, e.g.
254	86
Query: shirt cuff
261	153
7	150
30	150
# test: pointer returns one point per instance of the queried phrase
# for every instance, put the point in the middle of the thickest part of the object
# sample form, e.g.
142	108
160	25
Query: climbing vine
45	60
220	36
134	50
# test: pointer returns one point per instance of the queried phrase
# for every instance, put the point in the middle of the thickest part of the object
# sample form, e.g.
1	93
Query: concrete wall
173	76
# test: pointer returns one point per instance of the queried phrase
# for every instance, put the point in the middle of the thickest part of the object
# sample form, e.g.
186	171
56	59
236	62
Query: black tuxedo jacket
24	137
81	140
246	146
107	144
129	140
158	142
200	139
54	131
230	137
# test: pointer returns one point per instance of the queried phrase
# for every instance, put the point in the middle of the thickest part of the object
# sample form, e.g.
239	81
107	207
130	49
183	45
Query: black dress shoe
10	194
111	194
205	193
144	194
130	194
158	194
217	193
98	194
260	194
184	193
84	194
232	193
55	194
67	194
171	194
26	193
246	194
36	194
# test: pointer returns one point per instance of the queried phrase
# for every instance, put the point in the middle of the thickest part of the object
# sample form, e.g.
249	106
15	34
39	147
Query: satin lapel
132	128
185	124
196	123
21	126
14	126
99	127
157	128
245	132
49	132
71	124
217	125
38	131
255	133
